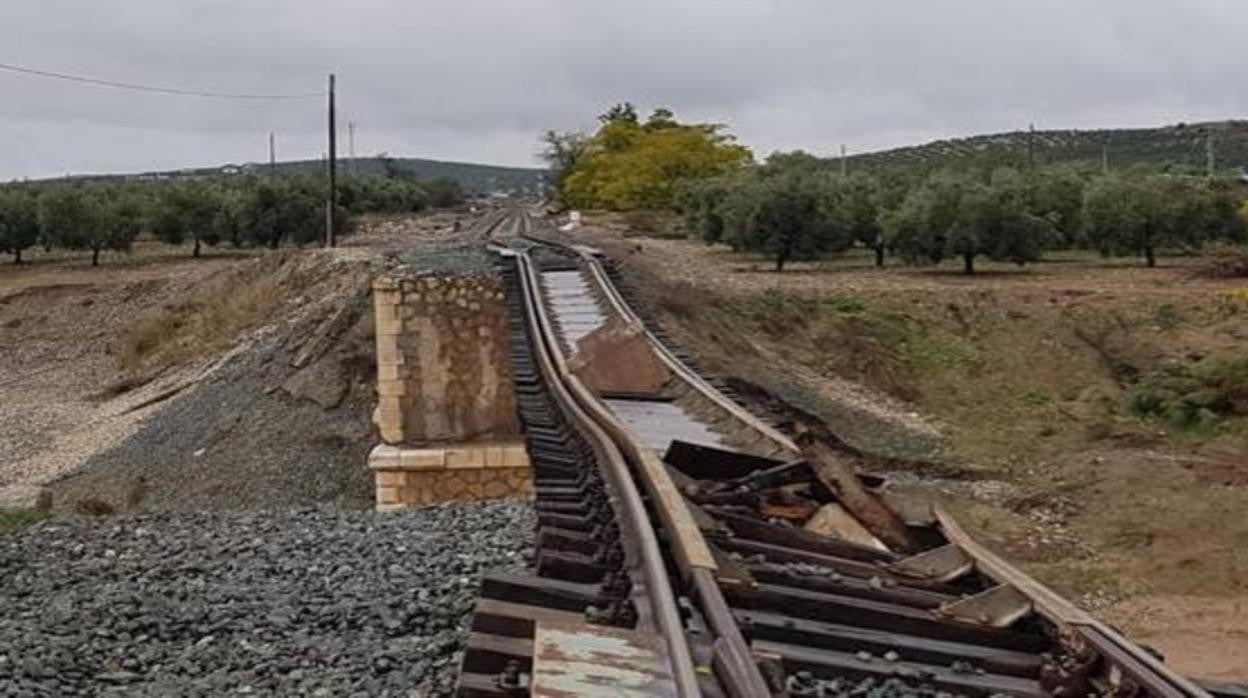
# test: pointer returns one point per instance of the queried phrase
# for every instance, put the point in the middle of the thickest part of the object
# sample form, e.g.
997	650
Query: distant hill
472	177
476	179
1178	147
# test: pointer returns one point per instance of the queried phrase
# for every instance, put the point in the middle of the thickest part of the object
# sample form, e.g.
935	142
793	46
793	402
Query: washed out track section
769	604
303	602
590	566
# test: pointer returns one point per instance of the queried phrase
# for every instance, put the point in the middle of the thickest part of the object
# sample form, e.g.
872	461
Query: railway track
675	554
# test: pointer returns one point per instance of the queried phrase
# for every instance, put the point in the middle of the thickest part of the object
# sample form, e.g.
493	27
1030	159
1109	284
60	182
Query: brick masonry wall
420	476
446	403
442	370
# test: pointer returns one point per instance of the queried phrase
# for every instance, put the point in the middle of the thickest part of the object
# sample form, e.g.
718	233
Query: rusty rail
948	616
588	416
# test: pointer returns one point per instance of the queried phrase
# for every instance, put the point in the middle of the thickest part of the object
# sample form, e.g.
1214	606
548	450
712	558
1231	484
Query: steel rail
730	651
1142	666
739	672
658	586
690	377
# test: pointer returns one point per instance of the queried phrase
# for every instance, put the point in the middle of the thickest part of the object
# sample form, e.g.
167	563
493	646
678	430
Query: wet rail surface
686	488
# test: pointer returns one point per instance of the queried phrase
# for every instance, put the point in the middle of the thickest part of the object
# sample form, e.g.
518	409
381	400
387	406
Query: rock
617	358
324	382
117	677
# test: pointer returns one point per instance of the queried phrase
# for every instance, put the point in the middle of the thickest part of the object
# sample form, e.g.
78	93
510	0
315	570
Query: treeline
792	208
252	211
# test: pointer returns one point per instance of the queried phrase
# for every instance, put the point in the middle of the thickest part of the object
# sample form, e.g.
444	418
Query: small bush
1167	316
1194	394
847	304
642	221
1228	265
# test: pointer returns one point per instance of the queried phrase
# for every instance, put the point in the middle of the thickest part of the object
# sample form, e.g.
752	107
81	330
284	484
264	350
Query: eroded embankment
243	379
1088	420
259	389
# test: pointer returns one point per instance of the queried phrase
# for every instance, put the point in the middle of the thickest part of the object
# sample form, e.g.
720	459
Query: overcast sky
477	80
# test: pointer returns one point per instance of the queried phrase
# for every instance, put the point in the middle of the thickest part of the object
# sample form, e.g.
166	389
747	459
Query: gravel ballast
303	602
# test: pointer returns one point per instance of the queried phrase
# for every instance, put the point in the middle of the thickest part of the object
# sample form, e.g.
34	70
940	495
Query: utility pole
272	155
331	206
351	145
844	163
1031	147
1209	163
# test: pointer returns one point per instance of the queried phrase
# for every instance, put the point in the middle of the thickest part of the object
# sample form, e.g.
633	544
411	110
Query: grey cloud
478	80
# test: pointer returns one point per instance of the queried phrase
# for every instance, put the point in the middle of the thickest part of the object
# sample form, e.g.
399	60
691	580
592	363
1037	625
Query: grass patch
847	304
12	521
1036	397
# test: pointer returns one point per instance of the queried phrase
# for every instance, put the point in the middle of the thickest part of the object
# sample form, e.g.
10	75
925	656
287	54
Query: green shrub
1194	394
1167	316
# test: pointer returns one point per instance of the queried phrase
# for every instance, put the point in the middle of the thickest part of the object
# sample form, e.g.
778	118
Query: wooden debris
864	506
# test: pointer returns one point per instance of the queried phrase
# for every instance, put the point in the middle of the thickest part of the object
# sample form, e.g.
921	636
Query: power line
150	88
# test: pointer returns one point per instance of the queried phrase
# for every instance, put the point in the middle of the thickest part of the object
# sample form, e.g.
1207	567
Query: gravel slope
301	602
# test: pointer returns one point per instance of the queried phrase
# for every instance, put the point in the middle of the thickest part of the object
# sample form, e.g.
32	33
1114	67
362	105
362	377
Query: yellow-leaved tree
629	164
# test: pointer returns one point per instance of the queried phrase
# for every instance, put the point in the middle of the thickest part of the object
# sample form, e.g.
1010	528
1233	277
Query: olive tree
1126	215
186	210
951	216
859	200
97	220
786	217
19	222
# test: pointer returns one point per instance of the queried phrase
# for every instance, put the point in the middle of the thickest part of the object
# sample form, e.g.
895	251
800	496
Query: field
1009	394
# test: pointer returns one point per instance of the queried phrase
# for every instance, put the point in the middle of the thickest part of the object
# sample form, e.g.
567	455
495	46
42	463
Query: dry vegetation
205	324
1032	375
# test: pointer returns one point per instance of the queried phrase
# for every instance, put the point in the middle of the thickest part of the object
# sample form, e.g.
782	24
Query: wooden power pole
351	146
1031	147
844	163
331	206
1209	162
272	155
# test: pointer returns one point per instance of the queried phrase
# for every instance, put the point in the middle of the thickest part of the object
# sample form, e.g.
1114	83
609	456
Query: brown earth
146	382
1005	393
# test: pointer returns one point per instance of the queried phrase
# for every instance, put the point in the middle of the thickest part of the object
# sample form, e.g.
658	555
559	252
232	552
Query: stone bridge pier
446	402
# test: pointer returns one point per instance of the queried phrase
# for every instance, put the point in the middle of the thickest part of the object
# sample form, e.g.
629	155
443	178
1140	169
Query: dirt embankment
1010	395
235	381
